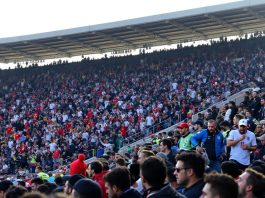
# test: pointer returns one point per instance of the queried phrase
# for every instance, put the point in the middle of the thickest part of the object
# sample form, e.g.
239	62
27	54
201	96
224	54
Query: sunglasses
179	169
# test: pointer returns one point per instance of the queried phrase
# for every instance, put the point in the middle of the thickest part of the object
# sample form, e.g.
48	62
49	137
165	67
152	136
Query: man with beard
251	184
242	141
189	172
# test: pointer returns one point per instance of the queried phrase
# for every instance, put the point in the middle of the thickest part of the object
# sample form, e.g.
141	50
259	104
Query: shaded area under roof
229	19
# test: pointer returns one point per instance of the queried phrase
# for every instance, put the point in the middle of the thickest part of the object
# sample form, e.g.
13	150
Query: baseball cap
243	122
183	125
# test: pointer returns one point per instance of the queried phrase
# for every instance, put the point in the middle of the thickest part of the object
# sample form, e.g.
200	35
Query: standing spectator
251	184
153	174
198	126
261	115
185	140
78	166
212	141
236	119
242	142
189	172
255	103
117	183
219	185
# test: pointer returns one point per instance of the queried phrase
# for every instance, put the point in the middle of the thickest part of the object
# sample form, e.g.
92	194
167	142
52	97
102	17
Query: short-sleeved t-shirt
237	153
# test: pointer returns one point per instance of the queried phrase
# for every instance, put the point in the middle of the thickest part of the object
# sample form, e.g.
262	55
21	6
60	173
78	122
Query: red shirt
56	154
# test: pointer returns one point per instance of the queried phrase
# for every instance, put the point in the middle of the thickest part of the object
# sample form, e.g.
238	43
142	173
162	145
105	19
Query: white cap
243	122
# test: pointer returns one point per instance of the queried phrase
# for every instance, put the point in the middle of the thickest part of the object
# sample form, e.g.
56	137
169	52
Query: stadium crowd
51	114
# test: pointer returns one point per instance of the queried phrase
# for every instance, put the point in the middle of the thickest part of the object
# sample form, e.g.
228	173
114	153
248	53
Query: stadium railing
237	98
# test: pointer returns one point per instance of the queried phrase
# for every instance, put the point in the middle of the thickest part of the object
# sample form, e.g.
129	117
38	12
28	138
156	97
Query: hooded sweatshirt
78	166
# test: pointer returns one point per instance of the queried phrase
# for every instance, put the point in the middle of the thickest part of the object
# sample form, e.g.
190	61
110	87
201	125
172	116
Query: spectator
219	185
260	153
15	192
78	166
69	184
154	184
35	183
242	142
198	126
212	141
165	147
261	114
41	174
251	184
4	186
87	187
231	168
189	172
95	170
185	140
117	183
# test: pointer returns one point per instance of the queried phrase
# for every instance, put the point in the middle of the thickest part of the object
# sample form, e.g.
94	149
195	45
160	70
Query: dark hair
134	172
167	143
58	180
154	171
37	181
22	183
194	161
43	188
222	185
147	153
120	177
33	195
239	116
96	166
225	123
257	181
105	164
15	192
231	168
73	179
121	162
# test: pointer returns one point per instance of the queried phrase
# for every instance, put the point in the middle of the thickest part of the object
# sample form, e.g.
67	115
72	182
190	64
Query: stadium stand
51	114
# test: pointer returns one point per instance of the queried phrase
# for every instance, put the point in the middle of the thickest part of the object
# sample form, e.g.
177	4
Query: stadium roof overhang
230	19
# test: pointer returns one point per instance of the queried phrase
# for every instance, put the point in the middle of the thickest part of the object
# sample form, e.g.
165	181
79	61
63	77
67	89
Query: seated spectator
219	185
251	184
69	184
15	192
118	183
154	184
4	186
230	168
35	183
189	172
86	187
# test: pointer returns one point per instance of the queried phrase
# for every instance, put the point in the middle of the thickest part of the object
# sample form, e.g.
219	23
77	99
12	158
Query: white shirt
237	153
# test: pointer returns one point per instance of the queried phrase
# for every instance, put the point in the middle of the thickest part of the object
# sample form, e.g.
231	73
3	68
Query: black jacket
165	192
131	193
